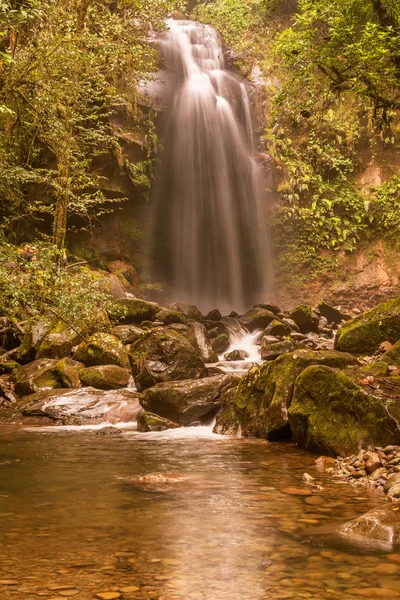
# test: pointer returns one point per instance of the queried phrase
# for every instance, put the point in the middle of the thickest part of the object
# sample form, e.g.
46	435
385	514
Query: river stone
86	403
198	337
259	407
187	401
58	342
102	349
331	414
164	355
257	318
381	524
189	310
168	317
365	333
137	310
149	421
128	334
393	480
236	355
35	376
305	318
105	377
109	430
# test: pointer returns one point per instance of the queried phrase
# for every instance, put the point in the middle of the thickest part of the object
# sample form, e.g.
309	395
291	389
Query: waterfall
208	237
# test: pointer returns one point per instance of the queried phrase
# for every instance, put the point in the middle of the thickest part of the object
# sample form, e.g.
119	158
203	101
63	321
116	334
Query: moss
365	333
102	349
67	373
331	414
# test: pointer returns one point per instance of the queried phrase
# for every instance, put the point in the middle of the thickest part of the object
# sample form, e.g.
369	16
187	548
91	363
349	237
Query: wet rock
164	355
110	430
236	355
333	415
257	318
198	336
189	310
380	524
128	334
102	349
298	337
187	401
85	403
393	480
272	351
277	328
260	404
332	315
373	462
149	421
365	333
268	306
214	315
305	318
35	376
137	310
168	317
67	372
291	324
105	377
220	343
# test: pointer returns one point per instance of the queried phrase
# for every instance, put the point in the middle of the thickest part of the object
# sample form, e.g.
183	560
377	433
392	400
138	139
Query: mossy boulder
137	310
259	406
164	355
365	333
189	310
102	349
305	318
271	350
331	414
105	377
32	340
149	421
67	372
277	328
58	342
168	317
128	334
392	356
185	402
198	336
35	376
257	318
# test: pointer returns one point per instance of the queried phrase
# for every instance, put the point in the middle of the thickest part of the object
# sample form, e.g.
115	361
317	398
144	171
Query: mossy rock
128	334
259	407
32	340
331	414
257	318
137	310
305	318
271	351
67	372
8	366
35	376
105	377
164	355
170	316
276	327
189	310
198	337
365	333
58	342
149	421
392	356
102	349
220	343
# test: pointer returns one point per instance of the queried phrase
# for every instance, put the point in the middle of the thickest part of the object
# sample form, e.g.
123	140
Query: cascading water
207	230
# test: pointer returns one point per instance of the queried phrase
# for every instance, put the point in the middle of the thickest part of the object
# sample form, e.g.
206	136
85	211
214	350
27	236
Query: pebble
107	595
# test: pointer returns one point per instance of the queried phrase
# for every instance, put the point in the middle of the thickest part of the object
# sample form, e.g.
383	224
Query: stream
179	514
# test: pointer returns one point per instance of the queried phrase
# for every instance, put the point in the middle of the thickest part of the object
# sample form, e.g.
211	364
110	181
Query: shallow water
217	523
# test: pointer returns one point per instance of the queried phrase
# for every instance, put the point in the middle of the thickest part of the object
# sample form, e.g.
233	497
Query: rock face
381	524
185	402
105	377
365	333
259	407
137	310
331	414
102	349
148	421
164	355
257	318
85	404
198	337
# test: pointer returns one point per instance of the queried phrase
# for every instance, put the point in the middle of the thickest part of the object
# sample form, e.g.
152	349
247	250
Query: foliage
37	288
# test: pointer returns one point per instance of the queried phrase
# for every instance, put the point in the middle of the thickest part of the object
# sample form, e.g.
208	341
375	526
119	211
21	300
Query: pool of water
179	515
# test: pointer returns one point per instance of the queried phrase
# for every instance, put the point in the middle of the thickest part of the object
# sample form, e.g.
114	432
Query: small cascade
208	237
240	340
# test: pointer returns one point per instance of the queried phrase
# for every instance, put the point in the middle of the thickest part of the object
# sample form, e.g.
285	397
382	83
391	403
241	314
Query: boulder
168	317
164	355
268	306
214	315
128	334
32	339
365	333
271	350
236	355
85	404
392	356
148	421
331	314
277	328
102	349
291	324
331	414
256	318
137	310
35	376
380	524
220	343
185	402
67	372
58	342
105	377
189	310
305	318
259	406
198	336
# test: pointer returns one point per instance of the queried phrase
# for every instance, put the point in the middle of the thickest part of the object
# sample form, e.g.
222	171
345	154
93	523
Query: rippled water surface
210	519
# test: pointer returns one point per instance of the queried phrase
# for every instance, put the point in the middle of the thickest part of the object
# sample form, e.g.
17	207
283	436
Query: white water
208	230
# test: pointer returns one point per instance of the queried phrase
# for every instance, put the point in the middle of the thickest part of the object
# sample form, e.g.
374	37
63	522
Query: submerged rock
148	421
164	355
102	349
259	406
365	333
198	337
105	377
381	524
331	414
187	401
